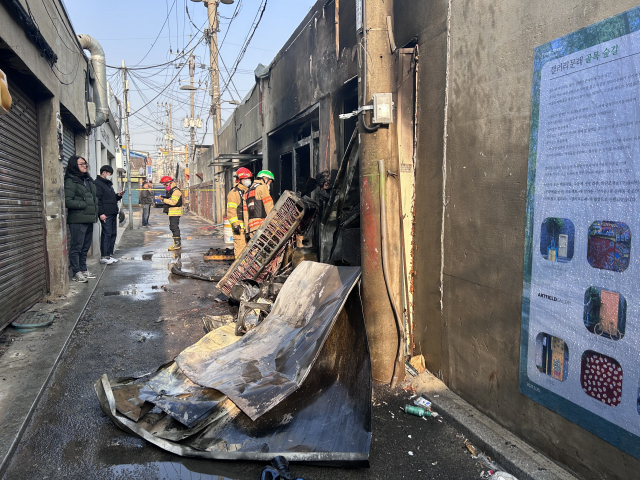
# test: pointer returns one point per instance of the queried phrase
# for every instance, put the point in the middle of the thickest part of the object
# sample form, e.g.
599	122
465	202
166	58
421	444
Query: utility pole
380	189
127	111
192	120
168	144
212	14
170	138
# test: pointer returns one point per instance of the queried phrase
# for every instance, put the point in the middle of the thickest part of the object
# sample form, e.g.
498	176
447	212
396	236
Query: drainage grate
33	320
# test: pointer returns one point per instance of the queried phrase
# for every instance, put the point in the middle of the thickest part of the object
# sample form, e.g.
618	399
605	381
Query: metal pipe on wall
100	69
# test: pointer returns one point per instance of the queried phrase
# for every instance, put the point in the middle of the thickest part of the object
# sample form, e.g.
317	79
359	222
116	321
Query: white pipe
100	69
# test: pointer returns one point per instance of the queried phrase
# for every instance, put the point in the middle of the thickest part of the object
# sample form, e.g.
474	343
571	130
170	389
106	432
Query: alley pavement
141	316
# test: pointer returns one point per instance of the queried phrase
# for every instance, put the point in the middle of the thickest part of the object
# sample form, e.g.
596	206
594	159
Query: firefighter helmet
265	173
243	173
166	179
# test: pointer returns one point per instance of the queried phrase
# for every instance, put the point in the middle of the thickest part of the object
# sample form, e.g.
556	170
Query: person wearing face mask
82	204
172	207
258	202
107	213
235	208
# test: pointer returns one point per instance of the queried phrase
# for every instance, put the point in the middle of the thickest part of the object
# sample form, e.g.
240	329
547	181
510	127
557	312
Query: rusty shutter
23	274
68	144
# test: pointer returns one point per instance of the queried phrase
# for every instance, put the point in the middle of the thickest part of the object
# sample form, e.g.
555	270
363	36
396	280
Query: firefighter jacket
173	202
235	206
257	205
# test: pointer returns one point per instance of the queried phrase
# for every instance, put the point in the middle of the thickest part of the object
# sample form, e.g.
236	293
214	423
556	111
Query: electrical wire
158	36
248	38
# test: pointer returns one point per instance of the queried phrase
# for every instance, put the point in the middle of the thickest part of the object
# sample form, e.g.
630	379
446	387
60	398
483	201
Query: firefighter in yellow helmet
258	202
172	207
235	208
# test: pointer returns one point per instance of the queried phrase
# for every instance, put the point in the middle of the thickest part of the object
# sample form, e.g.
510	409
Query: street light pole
127	111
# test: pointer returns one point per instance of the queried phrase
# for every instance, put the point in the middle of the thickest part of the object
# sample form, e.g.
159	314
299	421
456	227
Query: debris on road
250	314
410	369
175	267
211	322
219	254
502	476
282	387
278	470
471	448
418	364
264	254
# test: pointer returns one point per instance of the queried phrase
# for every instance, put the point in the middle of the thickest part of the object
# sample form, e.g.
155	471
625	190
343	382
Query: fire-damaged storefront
301	122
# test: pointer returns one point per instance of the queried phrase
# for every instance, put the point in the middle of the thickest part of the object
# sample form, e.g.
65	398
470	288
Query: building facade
53	85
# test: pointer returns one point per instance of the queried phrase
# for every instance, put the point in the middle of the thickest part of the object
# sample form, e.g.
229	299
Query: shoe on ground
106	261
80	278
113	260
88	274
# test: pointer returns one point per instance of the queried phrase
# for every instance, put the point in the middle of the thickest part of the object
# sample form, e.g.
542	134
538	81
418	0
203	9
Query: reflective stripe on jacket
235	205
257	205
173	202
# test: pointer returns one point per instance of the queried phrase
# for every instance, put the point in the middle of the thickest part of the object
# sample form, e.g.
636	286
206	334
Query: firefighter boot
176	244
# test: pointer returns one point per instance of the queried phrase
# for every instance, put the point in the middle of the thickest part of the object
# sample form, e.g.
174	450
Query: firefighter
235	208
172	207
258	202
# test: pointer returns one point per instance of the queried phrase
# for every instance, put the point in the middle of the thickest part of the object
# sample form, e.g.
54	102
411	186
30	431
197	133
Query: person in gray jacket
146	200
81	201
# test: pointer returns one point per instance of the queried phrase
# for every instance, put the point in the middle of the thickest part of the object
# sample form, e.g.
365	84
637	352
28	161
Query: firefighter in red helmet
235	206
258	202
172	207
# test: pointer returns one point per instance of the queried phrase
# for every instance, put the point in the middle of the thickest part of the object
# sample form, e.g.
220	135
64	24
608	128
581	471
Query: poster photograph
581	291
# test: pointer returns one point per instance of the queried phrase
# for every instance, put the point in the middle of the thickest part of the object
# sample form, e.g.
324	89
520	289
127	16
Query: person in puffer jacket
107	213
82	204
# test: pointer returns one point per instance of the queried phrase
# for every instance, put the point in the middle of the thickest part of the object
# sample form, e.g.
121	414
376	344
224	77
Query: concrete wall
248	122
227	136
472	340
51	87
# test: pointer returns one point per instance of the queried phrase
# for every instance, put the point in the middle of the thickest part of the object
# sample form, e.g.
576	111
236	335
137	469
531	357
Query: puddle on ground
193	237
140	292
162	256
168	470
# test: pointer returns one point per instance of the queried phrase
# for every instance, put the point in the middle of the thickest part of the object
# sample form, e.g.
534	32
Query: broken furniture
267	243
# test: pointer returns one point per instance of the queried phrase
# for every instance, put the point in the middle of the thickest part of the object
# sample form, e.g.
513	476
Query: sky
145	33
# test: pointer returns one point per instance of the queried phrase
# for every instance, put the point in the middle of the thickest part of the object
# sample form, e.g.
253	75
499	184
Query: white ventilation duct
100	86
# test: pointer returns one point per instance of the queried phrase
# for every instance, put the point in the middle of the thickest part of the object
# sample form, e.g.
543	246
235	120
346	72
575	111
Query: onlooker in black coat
107	213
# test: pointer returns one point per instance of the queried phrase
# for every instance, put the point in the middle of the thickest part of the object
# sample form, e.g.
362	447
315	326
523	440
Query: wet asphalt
140	317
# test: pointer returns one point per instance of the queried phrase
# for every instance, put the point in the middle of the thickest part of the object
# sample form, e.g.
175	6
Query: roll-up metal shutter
23	271
68	144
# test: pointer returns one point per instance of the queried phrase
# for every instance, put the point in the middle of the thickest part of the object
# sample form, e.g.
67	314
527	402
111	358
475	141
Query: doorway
303	168
286	172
